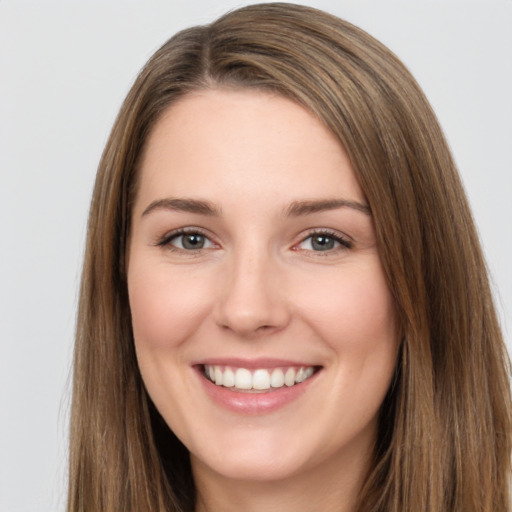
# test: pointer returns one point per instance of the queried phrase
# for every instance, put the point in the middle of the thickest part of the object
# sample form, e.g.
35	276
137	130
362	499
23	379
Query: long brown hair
444	440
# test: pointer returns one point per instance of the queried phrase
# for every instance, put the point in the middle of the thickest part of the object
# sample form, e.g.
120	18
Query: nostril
249	310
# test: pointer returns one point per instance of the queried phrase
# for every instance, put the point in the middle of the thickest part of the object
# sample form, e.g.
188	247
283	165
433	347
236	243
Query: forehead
244	143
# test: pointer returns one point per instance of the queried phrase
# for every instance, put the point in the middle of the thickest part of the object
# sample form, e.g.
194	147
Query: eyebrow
295	209
183	205
298	208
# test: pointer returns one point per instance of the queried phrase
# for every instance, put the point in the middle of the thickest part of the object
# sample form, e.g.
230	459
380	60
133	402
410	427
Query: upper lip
251	363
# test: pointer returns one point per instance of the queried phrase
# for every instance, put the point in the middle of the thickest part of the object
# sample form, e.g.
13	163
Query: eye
186	240
324	242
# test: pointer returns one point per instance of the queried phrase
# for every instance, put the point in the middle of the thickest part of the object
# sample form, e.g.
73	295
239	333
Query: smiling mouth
260	380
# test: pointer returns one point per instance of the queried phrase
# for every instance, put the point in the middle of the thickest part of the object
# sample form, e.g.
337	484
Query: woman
284	303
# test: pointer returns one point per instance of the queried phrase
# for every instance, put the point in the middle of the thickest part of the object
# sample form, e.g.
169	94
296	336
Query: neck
328	487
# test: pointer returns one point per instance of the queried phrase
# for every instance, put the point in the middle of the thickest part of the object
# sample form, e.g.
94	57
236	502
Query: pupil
193	241
322	243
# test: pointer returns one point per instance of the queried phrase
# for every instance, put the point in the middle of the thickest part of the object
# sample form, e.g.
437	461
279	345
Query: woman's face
264	328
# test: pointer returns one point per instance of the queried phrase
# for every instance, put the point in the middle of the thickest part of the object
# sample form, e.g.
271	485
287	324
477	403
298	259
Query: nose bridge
251	301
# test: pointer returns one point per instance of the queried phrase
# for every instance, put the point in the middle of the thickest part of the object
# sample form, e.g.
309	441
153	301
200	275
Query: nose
252	300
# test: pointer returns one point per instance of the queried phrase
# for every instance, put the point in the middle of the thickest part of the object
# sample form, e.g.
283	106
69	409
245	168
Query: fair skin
253	260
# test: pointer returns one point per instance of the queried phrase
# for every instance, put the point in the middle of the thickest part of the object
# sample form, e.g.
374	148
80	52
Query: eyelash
345	243
166	240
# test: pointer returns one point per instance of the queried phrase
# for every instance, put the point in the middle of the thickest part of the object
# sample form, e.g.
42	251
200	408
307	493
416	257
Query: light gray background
64	70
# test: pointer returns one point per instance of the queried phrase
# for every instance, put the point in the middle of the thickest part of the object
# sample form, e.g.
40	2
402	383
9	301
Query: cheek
359	325
166	307
353	308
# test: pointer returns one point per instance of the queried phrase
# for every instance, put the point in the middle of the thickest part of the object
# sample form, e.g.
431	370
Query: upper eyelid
334	233
168	236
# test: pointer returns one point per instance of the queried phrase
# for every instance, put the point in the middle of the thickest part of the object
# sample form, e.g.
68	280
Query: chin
253	467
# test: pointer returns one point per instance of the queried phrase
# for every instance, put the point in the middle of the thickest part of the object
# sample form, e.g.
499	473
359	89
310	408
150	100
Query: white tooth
289	377
309	371
228	379
243	379
277	378
300	375
218	376
261	379
211	373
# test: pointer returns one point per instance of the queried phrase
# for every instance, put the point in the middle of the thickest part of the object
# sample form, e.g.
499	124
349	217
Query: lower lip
254	403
